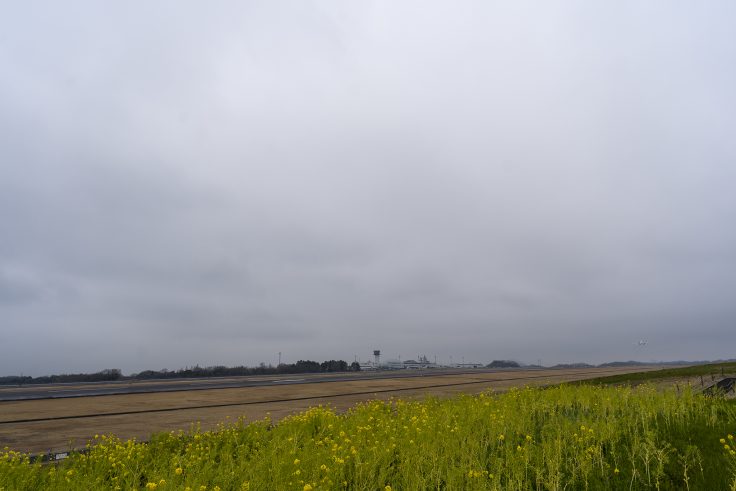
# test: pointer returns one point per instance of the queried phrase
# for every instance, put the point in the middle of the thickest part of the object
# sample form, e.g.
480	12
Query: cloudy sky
186	183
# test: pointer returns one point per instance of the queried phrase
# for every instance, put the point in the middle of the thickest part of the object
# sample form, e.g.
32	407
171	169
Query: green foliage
585	437
709	372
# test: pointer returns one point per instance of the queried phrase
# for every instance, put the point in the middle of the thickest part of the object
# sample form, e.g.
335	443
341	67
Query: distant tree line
111	374
301	366
108	374
503	364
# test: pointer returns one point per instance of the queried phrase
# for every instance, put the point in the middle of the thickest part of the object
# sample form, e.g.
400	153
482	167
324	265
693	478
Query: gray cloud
183	185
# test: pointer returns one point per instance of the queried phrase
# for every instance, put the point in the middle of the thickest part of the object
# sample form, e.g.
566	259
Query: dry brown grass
248	402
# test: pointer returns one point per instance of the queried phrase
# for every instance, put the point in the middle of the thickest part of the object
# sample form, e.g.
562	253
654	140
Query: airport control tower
377	356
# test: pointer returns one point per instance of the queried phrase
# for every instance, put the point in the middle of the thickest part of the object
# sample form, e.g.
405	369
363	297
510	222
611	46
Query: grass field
707	374
566	437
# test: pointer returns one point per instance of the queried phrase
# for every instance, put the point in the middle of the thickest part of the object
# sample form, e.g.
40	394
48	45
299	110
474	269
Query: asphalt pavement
91	389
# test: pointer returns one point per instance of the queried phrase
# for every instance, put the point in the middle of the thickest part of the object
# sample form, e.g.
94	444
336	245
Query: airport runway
62	416
91	389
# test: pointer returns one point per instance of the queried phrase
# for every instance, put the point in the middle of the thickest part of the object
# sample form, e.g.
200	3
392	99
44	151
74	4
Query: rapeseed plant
581	437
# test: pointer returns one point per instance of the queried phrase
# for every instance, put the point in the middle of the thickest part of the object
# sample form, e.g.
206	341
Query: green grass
566	437
710	373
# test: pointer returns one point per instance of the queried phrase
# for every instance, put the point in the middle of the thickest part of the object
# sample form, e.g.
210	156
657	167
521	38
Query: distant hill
623	363
573	365
503	364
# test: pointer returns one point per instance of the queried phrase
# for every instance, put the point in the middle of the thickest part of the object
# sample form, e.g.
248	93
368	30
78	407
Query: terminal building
421	363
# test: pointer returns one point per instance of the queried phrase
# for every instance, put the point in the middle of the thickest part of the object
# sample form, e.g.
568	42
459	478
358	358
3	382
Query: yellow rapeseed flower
178	471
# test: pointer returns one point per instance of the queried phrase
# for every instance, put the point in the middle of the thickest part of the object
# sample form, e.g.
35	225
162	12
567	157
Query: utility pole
279	358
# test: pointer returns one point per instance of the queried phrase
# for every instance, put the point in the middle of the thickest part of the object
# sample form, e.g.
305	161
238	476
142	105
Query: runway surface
91	389
59	417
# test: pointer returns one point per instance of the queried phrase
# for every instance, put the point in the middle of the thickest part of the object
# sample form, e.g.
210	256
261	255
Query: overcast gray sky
212	183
